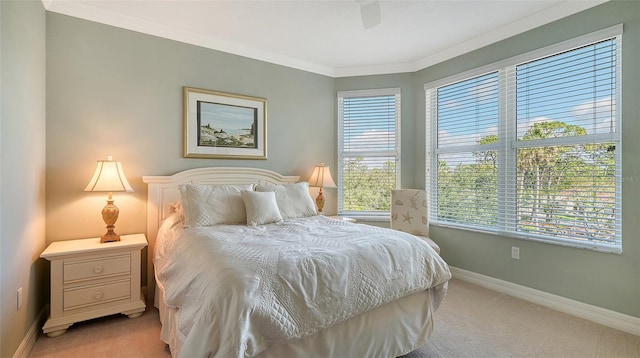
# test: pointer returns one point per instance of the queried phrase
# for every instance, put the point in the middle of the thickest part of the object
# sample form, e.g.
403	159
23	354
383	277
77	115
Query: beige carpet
477	322
473	322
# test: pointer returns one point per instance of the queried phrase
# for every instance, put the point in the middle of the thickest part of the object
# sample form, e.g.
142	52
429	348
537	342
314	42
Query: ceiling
328	37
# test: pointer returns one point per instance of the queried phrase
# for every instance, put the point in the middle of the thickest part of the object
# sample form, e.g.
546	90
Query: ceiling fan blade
370	13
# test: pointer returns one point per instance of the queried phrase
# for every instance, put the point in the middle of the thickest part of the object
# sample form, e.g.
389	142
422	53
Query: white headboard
163	190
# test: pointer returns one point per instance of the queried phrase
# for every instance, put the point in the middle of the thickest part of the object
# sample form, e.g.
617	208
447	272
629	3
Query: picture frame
219	125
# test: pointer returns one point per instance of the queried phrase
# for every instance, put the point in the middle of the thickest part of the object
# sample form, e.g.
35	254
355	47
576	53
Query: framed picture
224	125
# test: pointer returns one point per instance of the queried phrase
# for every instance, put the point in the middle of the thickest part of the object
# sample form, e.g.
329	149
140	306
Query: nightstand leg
138	311
56	333
135	315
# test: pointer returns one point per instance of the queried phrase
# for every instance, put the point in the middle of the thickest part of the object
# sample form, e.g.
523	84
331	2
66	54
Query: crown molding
557	12
87	12
81	10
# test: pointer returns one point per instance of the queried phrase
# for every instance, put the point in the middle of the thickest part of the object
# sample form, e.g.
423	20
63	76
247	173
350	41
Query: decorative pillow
293	200
206	205
262	207
409	211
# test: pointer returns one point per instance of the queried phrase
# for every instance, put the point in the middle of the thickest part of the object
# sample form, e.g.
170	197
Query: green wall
22	170
606	280
114	91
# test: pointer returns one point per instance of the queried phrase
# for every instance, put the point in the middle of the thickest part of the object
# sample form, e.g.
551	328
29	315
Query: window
368	151
530	147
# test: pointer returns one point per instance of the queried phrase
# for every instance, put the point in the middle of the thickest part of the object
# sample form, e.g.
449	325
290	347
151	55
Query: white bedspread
241	289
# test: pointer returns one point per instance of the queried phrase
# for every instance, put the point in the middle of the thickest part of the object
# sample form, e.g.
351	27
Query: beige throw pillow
293	200
262	207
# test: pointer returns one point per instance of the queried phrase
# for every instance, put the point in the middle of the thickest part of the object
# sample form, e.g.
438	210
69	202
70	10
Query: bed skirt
391	330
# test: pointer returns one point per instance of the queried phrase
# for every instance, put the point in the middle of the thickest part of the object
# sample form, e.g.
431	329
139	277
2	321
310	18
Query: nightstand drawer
97	294
96	268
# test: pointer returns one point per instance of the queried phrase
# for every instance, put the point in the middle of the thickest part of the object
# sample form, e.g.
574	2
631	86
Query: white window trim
363	215
507	133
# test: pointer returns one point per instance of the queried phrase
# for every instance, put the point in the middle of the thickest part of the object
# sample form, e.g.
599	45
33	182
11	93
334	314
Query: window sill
364	218
610	249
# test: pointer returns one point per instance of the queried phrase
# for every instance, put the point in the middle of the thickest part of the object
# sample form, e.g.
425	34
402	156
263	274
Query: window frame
508	143
341	95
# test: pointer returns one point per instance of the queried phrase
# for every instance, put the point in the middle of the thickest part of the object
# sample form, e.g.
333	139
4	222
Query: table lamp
321	177
109	177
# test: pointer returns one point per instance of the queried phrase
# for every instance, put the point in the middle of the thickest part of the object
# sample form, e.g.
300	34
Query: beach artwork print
221	125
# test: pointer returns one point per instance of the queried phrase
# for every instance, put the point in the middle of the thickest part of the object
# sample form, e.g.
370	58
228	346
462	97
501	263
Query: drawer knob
98	269
98	295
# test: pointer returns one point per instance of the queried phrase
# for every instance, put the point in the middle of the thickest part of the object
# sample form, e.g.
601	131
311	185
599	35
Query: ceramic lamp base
320	201
110	216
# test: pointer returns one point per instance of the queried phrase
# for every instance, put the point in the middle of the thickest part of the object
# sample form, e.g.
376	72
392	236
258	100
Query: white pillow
293	200
206	205
261	207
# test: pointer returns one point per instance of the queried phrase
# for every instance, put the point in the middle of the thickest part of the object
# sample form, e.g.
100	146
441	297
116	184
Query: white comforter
241	289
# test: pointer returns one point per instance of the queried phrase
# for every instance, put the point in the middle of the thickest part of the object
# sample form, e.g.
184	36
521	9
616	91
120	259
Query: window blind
532	149
467	132
567	154
368	152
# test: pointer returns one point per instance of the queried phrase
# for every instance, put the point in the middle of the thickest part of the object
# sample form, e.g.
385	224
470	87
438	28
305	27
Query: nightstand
90	280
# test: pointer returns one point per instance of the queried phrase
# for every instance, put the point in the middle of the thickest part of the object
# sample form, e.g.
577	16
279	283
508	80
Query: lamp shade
108	176
321	177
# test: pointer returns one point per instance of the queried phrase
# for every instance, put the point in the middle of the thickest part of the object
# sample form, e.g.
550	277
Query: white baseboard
609	318
29	340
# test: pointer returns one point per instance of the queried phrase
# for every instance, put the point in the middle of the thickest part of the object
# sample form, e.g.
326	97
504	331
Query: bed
282	281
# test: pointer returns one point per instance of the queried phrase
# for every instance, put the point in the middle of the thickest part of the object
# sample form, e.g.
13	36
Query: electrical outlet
19	298
515	252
